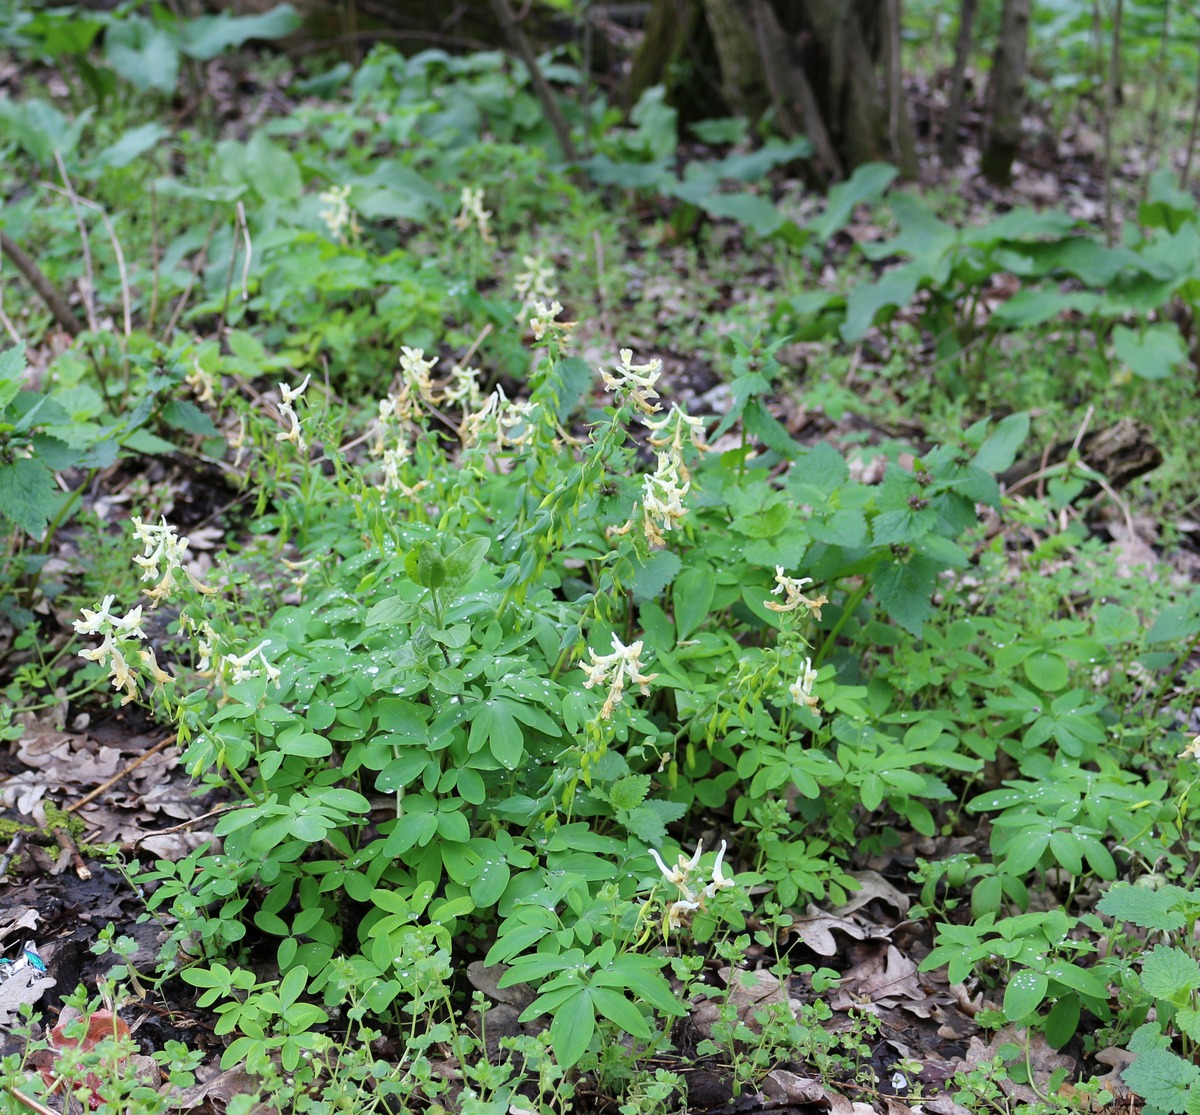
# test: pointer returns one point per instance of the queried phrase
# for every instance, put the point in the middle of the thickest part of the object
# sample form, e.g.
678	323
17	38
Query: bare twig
153	314
520	44
13	848
67	843
9	328
46	290
32	1104
220	811
88	287
121	774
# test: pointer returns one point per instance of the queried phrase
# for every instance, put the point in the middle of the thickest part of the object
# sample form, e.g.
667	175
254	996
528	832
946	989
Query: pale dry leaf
872	885
26	986
25	917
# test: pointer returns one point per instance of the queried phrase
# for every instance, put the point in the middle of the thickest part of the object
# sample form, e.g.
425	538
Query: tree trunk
828	68
1006	94
948	149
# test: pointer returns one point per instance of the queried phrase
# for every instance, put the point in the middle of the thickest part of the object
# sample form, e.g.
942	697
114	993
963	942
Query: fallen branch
46	290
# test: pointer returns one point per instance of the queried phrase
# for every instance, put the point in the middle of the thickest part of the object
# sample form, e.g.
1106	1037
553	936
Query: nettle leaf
650	579
1169	973
180	414
27	494
1162	1078
905	589
648	822
1143	907
629	792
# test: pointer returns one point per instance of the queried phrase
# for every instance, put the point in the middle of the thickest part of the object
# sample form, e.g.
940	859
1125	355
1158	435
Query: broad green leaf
1154	353
1000	449
144	55
1024	994
205	37
463	564
572	1028
27	495
866	184
1143	907
650	579
692	596
1162	1078
270	170
132	144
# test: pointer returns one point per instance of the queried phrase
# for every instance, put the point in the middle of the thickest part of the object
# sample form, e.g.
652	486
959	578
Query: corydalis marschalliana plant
693	897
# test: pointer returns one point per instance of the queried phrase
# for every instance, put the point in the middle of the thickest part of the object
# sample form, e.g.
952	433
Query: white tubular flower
662	499
793	597
463	388
287	396
238	664
1192	751
719	881
677	910
94	621
677	876
802	689
637	380
160	676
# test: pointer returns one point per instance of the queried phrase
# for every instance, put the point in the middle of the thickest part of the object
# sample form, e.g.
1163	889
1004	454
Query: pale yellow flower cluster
635	380
662	498
535	284
613	669
161	558
679	877
471	212
507	422
1192	751
118	646
544	321
793	598
340	217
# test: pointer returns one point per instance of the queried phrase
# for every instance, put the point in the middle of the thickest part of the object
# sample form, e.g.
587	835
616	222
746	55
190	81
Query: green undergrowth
506	658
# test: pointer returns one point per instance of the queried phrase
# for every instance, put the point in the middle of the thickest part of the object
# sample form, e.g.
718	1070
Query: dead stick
13	848
33	1105
131	845
46	290
120	774
67	843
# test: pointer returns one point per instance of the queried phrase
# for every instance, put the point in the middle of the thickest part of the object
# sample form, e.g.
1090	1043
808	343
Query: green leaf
205	37
180	414
904	591
895	290
463	564
616	1008
648	821
692	596
1154	353
1024	994
1046	671
1162	1078
1143	907
27	494
144	55
629	792
1000	449
866	184
1169	973
270	170
132	144
651	578
572	1028
425	566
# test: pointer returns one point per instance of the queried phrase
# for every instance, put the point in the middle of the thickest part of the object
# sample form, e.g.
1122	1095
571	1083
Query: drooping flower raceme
693	898
339	218
635	380
613	670
471	211
793	598
161	558
662	499
535	284
120	642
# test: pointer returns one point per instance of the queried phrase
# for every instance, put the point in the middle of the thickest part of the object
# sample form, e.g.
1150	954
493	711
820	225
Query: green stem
848	609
